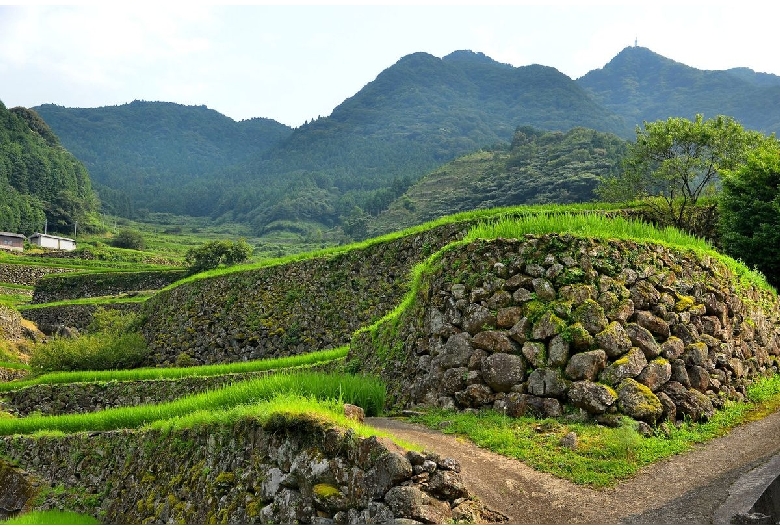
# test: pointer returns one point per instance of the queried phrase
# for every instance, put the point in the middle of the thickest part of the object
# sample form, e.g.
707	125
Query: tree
131	239
215	253
675	163
750	211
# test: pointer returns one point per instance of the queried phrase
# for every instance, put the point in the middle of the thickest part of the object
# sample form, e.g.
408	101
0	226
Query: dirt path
684	489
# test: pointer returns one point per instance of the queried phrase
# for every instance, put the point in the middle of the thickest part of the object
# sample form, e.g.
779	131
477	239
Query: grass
51	517
603	455
142	374
598	225
368	393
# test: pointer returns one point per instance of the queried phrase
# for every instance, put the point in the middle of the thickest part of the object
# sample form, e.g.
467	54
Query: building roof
37	234
11	234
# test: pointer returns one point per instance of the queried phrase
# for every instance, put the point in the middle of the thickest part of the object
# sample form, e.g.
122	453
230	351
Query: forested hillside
142	154
641	85
39	180
347	168
539	167
419	113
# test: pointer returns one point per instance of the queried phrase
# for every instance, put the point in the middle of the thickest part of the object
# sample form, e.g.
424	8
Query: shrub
97	351
111	343
129	239
215	253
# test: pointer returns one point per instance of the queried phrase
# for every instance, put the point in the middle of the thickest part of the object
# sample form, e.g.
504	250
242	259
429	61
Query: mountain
40	182
141	154
641	85
539	167
419	113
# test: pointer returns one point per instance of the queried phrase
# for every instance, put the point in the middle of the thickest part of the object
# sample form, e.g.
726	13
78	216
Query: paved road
685	489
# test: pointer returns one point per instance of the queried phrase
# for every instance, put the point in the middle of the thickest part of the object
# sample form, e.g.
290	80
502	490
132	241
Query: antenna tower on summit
635	42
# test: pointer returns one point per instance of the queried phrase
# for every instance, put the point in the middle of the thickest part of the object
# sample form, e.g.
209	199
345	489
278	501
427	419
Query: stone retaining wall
286	309
77	398
286	471
558	323
55	288
26	274
51	319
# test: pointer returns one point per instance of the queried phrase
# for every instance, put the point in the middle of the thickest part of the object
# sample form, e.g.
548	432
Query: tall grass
584	224
51	517
368	393
599	225
143	374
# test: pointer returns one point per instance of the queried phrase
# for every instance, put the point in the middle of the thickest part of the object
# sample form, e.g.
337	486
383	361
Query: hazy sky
296	62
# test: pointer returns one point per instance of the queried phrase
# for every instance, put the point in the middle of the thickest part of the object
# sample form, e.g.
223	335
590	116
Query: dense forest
538	167
40	182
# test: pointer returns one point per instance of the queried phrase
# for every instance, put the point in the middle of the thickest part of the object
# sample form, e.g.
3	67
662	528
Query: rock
520	331
547	382
547	326
643	339
699	378
690	403
628	366
644	295
698	354
639	402
672	348
586	365
446	485
558	354
501	371
354	412
493	341
544	290
591	316
410	503
595	398
655	374
453	380
581	339
506	317
458	351
613	340
474	396
652	323
535	353
478	318
569	441
519	405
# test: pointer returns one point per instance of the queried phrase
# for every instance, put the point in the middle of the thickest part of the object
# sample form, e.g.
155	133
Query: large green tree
750	211
676	162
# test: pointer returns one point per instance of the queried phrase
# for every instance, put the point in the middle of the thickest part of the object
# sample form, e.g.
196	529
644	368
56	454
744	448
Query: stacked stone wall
554	324
286	471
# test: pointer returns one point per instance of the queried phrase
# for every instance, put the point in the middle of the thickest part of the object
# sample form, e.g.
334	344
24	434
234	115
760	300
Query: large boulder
502	371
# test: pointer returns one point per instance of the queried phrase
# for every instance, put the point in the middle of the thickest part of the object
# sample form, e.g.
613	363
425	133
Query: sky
296	62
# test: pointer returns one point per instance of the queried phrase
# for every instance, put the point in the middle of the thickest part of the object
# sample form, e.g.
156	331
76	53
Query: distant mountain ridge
418	114
640	85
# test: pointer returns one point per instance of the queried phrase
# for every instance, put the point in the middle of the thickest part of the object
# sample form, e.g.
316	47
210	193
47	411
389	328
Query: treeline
40	181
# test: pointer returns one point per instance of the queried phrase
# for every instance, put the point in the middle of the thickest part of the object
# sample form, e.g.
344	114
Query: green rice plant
51	517
105	351
145	374
368	393
279	409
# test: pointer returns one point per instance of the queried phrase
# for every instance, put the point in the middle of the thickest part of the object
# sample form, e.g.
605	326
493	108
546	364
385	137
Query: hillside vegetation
418	114
39	180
